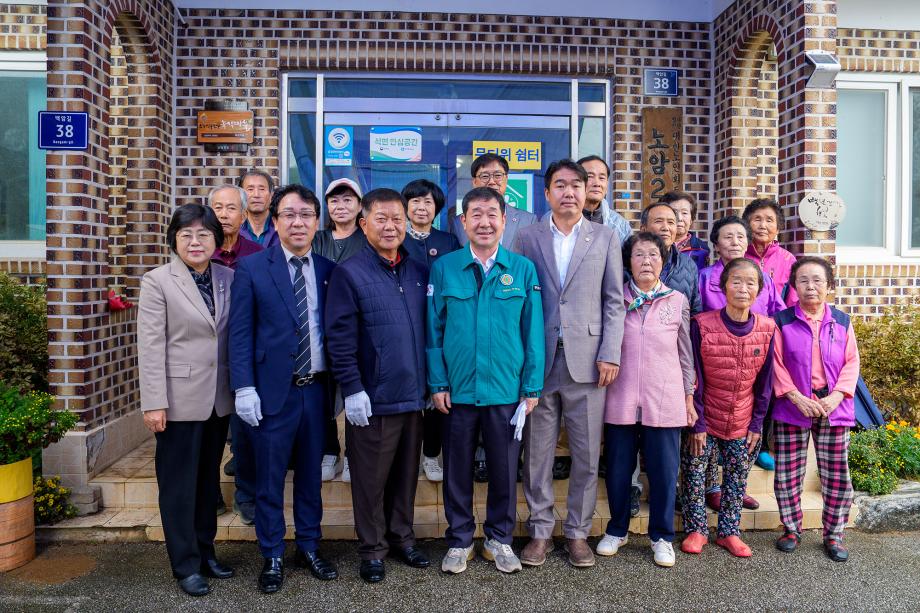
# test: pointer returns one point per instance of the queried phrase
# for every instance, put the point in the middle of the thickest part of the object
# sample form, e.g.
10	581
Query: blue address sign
659	82
63	130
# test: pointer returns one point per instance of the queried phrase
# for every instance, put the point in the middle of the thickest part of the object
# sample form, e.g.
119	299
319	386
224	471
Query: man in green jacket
485	359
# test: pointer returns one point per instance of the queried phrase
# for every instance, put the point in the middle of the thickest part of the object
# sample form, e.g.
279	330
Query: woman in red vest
816	368
733	349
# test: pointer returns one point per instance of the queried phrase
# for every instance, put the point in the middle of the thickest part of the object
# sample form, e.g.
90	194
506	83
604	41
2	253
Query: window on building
385	130
22	182
878	166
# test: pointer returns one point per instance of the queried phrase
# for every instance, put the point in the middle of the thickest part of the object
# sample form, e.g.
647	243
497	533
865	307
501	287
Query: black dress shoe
372	571
230	467
411	556
634	494
320	568
214	569
195	585
480	471
562	467
836	551
272	575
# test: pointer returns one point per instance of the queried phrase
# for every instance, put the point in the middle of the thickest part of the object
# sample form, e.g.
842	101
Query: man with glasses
278	371
491	170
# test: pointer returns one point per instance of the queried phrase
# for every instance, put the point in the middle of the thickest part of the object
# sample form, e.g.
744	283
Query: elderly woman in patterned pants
816	368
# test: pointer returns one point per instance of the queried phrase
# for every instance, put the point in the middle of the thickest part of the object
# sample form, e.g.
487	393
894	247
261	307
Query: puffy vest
730	367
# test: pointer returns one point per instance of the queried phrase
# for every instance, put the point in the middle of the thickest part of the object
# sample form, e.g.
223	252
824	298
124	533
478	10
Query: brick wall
805	126
242	54
867	290
22	27
93	364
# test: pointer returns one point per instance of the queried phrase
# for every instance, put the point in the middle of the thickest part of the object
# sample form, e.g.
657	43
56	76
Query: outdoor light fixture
824	68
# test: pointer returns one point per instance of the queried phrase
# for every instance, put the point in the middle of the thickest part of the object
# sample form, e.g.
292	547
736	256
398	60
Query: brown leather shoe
534	553
580	555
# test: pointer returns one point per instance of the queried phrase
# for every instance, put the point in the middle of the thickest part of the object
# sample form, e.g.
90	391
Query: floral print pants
736	464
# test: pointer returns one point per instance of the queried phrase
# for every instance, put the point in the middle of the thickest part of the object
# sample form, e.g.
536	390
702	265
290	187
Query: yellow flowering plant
879	457
28	423
51	501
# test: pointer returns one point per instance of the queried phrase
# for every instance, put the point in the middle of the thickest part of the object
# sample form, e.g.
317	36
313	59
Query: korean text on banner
520	155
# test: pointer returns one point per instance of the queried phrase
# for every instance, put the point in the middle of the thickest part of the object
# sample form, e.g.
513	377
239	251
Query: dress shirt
563	246
487	265
317	359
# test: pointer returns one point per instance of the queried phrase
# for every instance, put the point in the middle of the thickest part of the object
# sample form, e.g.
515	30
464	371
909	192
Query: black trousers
187	466
461	430
383	457
433	425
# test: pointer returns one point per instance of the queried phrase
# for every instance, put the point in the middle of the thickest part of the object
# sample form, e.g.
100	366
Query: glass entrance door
392	149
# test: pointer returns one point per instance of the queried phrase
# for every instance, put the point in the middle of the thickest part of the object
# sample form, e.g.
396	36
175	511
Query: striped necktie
303	362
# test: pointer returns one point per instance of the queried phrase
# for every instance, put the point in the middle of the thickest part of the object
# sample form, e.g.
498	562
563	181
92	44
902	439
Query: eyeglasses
202	236
485	177
289	216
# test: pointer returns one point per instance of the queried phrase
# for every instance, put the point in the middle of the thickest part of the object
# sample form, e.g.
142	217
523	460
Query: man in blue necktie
278	370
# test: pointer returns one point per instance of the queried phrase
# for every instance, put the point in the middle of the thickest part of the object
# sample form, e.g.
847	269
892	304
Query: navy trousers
661	450
244	455
297	432
461	429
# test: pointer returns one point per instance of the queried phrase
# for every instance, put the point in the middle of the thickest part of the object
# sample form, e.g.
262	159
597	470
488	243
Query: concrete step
430	522
131	483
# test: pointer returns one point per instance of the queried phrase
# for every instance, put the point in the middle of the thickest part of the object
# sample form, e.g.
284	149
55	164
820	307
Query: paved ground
883	575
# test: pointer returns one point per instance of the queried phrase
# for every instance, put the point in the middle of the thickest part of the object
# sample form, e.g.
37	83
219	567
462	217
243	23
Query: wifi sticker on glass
339	147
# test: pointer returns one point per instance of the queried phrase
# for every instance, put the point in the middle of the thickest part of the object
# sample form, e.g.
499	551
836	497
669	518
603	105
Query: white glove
248	405
358	409
520	416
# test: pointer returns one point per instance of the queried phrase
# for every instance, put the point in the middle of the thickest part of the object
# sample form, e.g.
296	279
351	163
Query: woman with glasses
185	391
816	368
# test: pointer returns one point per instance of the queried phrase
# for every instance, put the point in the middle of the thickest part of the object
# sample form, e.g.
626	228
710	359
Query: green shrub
28	423
23	335
879	457
889	352
51	501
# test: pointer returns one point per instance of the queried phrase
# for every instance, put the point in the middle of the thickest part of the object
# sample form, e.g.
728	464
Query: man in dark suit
278	370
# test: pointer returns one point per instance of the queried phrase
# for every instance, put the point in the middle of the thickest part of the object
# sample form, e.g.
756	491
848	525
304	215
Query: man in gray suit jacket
491	170
580	268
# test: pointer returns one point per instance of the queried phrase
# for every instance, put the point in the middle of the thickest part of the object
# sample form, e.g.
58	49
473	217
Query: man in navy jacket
375	334
278	370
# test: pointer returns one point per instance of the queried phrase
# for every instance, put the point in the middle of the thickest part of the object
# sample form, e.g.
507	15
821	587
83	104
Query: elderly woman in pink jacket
765	217
651	400
816	368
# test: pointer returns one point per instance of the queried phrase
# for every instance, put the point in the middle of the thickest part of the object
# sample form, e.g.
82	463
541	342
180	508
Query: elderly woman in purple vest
651	400
816	368
730	237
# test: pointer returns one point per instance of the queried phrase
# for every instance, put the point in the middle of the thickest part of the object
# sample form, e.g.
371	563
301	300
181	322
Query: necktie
303	362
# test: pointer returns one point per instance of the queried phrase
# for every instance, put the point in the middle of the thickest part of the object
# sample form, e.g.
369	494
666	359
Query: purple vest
797	352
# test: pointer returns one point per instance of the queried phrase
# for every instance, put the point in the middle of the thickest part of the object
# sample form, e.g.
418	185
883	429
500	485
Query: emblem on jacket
432	252
506	279
666	314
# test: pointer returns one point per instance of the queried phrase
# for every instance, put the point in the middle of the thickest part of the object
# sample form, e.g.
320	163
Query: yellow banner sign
520	155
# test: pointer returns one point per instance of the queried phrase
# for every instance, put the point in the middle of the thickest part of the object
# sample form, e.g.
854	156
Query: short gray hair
237	189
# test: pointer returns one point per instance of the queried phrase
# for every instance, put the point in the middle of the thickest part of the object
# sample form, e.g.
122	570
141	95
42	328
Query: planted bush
889	352
28	423
52	501
879	457
23	335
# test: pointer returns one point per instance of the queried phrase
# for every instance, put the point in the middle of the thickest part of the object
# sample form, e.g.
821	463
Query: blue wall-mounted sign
62	130
659	82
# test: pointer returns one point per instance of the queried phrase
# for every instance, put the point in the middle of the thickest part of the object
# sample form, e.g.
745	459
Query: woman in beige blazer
185	391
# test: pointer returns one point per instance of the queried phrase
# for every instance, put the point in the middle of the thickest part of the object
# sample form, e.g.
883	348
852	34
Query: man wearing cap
485	370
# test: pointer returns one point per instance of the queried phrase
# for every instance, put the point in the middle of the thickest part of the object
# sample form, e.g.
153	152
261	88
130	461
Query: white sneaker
664	553
610	545
433	471
328	467
455	560
346	473
502	555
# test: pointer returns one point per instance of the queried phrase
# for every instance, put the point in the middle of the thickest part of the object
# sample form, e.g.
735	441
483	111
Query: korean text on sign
520	155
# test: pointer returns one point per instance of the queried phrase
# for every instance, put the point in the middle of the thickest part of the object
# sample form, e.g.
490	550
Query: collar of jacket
403	255
501	258
752	254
